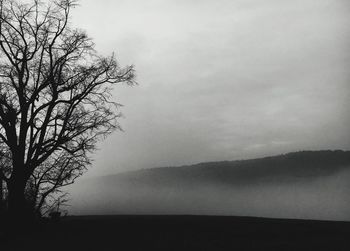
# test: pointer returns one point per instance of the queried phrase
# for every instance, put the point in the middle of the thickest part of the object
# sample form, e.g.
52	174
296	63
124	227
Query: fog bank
325	198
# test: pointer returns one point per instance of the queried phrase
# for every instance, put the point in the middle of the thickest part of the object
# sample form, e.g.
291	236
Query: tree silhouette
55	100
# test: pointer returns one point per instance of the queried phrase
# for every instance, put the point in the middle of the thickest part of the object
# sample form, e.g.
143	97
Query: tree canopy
55	98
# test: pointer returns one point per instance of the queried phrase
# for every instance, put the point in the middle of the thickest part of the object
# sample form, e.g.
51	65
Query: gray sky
223	79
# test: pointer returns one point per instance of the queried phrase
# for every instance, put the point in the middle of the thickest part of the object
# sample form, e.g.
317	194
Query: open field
183	233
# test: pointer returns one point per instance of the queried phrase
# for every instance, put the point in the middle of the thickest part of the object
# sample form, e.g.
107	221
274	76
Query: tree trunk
1	196
18	208
16	199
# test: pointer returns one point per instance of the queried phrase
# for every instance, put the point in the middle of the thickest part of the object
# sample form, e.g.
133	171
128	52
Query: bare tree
44	188
55	98
5	168
2	206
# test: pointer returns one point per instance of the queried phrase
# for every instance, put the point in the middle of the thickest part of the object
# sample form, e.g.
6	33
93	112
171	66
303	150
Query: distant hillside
281	168
308	184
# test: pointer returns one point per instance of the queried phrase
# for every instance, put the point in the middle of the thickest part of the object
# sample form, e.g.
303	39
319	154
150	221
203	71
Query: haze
222	80
321	198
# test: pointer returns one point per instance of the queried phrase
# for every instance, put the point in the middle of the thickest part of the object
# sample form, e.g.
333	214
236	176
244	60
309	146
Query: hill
307	184
281	168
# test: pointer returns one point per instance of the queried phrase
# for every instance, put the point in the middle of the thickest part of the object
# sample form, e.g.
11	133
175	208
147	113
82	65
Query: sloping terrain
308	184
182	233
281	168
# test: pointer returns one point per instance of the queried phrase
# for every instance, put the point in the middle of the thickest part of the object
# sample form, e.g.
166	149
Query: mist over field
193	190
222	80
174	125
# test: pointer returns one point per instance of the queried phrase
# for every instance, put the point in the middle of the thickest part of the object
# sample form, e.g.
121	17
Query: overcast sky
223	79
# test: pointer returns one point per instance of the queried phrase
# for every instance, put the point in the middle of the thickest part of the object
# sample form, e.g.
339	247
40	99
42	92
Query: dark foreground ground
181	233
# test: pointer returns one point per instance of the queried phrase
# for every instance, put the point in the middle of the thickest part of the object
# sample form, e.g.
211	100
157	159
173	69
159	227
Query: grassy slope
184	233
